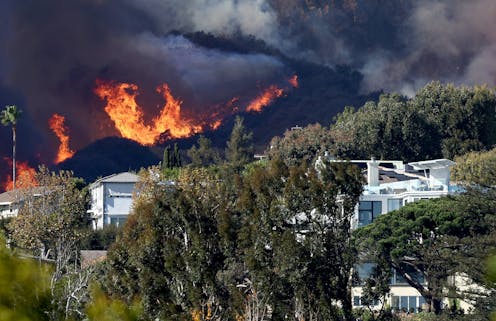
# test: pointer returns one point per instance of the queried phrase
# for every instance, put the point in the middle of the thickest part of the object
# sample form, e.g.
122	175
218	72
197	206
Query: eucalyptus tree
295	238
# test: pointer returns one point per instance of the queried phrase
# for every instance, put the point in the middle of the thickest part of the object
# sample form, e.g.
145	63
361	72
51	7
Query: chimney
373	172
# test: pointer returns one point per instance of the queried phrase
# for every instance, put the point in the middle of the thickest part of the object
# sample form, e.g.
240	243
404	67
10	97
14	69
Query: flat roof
432	164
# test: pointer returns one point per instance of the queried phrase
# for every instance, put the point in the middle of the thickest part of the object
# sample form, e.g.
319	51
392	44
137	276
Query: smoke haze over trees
52	53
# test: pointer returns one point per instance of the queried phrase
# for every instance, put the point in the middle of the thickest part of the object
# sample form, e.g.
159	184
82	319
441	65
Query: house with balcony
390	185
112	199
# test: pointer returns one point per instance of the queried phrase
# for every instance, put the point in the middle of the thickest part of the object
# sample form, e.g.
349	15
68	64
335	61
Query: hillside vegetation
441	121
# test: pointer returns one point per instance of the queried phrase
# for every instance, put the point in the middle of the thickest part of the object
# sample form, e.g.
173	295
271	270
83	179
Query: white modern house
112	199
391	185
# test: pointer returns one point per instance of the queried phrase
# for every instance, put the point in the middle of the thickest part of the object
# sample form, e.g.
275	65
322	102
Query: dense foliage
476	168
220	247
24	288
50	225
441	121
301	144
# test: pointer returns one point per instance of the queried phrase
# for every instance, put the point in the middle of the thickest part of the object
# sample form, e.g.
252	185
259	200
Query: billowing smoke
53	51
451	41
56	50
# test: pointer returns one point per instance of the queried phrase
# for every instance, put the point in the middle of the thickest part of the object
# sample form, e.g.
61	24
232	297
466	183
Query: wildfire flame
25	176
294	81
57	125
170	117
265	99
127	115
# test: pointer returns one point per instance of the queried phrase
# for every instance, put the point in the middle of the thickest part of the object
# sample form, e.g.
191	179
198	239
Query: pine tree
203	154
166	161
176	157
239	149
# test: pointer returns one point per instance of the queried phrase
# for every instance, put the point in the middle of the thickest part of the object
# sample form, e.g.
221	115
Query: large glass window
394	204
368	211
412	303
407	303
364	271
117	221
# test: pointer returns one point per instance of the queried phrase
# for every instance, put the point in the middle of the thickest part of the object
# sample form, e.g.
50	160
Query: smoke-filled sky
52	51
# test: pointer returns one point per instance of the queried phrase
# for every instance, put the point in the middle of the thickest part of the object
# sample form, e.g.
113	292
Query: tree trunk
13	157
436	305
347	306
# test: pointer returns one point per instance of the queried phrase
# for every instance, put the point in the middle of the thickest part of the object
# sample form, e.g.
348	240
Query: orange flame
170	117
216	124
25	176
57	125
127	115
294	81
265	98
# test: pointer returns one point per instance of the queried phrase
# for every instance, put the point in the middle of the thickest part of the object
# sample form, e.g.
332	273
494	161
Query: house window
364	271
398	279
368	211
394	204
408	303
117	221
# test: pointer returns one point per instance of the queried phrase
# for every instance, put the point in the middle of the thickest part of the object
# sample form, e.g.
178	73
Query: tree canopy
476	168
440	121
220	246
301	144
239	150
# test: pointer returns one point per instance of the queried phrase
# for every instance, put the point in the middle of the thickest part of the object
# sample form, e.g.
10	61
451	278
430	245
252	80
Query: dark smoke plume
56	49
53	51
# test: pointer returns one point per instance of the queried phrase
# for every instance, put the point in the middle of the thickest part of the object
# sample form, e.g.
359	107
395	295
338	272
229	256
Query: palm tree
9	117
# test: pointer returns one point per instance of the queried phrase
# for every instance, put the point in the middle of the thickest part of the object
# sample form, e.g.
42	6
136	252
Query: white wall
111	203
118	198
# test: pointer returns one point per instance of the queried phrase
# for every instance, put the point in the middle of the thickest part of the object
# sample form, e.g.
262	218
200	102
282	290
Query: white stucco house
112	199
390	185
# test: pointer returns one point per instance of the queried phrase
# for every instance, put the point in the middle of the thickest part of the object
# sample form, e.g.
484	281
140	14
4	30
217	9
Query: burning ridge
129	119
